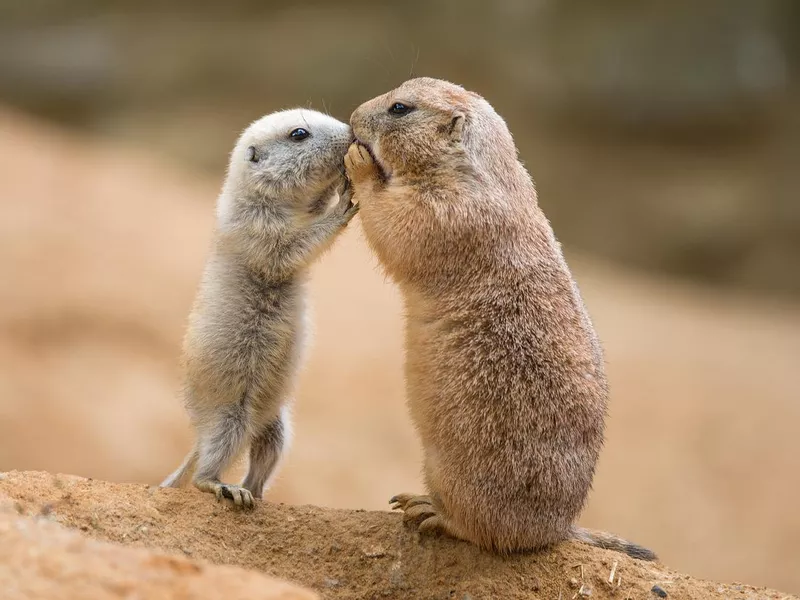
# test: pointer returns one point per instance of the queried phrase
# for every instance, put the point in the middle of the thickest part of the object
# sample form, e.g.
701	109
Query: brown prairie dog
505	375
246	331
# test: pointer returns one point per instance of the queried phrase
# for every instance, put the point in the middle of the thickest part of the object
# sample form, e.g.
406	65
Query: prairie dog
504	371
246	331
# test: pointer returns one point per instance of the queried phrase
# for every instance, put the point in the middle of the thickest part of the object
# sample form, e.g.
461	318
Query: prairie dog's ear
457	125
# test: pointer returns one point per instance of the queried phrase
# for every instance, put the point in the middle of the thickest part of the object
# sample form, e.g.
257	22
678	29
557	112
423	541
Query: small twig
613	572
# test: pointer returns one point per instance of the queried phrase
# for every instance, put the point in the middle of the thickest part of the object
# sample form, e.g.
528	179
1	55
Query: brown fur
505	376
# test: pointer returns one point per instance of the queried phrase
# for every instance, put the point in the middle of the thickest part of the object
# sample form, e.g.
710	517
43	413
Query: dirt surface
101	248
40	560
342	554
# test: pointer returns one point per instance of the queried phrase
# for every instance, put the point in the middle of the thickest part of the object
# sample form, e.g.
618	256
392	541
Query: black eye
299	134
252	154
399	109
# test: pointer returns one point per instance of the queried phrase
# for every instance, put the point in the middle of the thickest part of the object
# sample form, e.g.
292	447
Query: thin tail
178	478
609	541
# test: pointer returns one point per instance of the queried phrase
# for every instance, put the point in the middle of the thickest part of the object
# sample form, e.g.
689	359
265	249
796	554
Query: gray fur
246	332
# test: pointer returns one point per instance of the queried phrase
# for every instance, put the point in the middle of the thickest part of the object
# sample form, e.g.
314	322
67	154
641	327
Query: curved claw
401	499
241	497
417	500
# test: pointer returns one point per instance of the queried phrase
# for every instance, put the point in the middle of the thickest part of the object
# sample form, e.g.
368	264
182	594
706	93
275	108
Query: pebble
658	591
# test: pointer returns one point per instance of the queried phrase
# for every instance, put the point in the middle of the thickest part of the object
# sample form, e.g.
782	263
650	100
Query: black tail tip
640	552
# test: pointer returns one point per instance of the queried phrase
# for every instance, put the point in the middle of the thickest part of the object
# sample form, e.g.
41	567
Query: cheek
319	163
286	169
403	149
323	158
301	162
369	127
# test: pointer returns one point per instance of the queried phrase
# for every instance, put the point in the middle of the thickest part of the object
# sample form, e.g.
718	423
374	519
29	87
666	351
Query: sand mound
342	554
40	560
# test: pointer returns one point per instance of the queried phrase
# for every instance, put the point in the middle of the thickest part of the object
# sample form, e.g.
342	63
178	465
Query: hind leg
218	445
265	451
177	477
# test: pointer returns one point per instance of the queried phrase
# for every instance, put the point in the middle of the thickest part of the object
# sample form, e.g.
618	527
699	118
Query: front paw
345	209
349	211
359	164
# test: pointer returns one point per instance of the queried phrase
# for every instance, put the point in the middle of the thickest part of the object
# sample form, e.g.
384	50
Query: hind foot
415	508
241	497
421	510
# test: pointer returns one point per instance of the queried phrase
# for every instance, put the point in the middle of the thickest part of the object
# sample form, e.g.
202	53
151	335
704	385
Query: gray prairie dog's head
427	124
291	159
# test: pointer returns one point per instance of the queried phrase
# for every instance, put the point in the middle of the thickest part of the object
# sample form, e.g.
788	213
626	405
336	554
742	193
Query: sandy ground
100	252
341	554
40	560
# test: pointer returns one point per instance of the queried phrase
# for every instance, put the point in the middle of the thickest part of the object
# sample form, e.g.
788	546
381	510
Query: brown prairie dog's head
428	123
446	183
291	160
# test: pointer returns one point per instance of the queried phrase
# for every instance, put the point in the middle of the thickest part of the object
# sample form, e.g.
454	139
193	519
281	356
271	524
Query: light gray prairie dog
504	371
246	331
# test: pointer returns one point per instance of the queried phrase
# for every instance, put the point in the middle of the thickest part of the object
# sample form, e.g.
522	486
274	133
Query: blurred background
665	142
